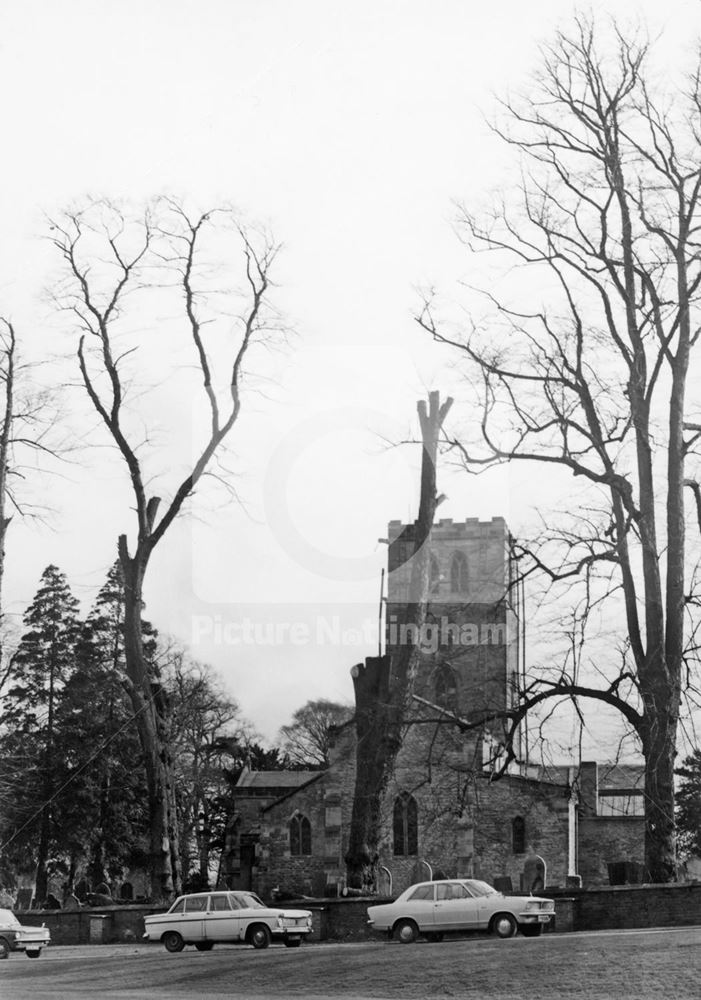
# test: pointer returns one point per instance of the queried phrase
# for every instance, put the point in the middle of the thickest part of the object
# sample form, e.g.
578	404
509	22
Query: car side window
422	892
179	907
452	890
220	902
196	904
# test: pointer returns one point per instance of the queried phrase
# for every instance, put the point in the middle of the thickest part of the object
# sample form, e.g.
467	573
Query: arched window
300	835
458	573
518	835
406	826
434	582
445	686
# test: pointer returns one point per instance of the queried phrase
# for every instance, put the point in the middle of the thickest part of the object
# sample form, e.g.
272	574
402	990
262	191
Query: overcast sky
350	128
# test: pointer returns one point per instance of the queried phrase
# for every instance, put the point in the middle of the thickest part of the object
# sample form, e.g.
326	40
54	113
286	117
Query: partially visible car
16	937
208	918
465	904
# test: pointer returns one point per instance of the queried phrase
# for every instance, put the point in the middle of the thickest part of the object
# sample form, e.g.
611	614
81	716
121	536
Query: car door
455	909
221	921
192	920
420	906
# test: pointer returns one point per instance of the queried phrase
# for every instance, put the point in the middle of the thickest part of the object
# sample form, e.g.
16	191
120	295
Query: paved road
637	965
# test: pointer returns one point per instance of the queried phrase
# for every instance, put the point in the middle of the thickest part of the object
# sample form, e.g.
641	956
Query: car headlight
280	921
532	906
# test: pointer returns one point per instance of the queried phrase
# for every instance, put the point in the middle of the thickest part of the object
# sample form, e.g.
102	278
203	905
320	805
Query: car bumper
536	918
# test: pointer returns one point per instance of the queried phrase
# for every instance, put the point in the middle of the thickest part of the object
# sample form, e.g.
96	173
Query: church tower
471	644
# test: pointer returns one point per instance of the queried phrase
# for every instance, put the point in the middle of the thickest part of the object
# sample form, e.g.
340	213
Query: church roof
621	776
274	779
610	775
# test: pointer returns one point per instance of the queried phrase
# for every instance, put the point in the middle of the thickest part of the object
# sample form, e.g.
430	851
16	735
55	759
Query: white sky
349	127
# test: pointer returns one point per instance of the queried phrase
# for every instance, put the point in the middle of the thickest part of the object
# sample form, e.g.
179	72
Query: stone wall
543	808
346	919
327	804
605	840
631	906
103	925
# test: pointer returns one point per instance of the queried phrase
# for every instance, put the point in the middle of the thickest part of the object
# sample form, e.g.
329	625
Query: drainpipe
571	825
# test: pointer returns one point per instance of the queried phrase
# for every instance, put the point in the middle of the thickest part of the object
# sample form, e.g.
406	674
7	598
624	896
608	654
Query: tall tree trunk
5	437
150	710
42	877
383	686
659	750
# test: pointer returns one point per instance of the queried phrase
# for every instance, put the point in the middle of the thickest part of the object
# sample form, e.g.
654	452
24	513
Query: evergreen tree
42	667
688	805
103	810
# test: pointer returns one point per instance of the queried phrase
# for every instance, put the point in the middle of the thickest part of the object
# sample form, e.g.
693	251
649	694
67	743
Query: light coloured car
16	937
463	904
207	918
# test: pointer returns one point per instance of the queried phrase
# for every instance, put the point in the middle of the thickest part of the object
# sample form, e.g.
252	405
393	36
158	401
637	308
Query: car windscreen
248	900
478	888
8	919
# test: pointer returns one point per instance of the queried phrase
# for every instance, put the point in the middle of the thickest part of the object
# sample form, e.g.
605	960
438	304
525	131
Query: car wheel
204	945
504	925
293	942
406	931
4	948
531	930
434	937
34	953
173	941
259	936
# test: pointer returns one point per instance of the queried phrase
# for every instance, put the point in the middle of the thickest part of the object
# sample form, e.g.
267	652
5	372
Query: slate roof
274	779
611	776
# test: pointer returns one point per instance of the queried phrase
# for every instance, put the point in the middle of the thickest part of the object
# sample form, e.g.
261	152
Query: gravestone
502	883
534	874
24	899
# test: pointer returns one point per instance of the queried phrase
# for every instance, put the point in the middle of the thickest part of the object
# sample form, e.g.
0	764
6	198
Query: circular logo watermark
276	490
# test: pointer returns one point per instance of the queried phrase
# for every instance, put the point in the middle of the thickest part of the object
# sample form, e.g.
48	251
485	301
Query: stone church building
444	814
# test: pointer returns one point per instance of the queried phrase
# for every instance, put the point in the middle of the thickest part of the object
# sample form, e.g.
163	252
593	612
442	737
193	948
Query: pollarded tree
42	666
583	366
384	685
307	739
211	317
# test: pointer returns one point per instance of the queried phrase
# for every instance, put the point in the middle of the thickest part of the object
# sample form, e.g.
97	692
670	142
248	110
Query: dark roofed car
15	937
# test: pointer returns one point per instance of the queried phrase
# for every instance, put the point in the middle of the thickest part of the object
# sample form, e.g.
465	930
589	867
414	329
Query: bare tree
306	741
384	685
110	259
28	427
203	722
588	373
